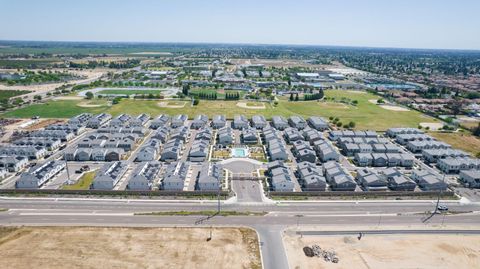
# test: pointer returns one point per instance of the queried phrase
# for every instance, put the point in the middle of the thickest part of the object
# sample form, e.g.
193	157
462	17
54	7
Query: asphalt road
380	232
120	212
247	191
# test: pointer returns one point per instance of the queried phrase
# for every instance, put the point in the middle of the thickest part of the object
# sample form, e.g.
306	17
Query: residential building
219	121
160	121
455	165
279	122
149	151
13	163
371	181
144	175
174	177
172	150
179	120
29	152
210	177
225	136
249	136
281	179
318	123
199	121
259	122
109	175
98	120
240	122
39	175
297	122
199	151
140	121
470	178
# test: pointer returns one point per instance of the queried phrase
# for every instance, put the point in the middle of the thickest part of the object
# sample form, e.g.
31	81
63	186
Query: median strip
201	213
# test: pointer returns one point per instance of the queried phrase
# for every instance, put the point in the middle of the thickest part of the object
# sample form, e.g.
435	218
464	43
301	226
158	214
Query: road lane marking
74	214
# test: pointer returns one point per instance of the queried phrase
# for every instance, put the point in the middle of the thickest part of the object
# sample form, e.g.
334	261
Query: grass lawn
365	114
176	103
129	92
463	141
102	102
197	91
54	109
7	94
254	104
83	182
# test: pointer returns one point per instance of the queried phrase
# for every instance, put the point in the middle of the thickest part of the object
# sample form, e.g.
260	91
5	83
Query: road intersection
278	217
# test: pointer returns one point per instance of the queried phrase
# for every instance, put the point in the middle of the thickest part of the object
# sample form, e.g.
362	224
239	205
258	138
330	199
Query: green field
7	94
365	114
30	63
81	50
83	182
197	91
129	92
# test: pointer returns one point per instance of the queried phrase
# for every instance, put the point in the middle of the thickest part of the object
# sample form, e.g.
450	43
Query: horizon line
242	44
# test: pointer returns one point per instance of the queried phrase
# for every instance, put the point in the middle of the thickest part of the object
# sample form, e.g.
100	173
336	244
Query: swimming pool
239	152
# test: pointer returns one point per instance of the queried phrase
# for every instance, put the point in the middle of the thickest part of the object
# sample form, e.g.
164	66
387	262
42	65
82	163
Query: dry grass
95	247
463	141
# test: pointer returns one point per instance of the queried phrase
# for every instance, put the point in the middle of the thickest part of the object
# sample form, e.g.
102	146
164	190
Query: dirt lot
393	251
42	123
89	247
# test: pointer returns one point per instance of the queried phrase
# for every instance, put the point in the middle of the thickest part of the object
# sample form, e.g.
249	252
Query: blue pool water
239	152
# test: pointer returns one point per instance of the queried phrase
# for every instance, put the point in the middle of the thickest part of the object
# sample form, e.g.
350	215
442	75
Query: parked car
442	208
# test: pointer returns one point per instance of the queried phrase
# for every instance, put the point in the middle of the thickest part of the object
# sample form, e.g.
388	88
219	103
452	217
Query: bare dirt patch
42	123
431	125
151	53
388	251
394	108
89	247
250	105
68	98
172	104
87	104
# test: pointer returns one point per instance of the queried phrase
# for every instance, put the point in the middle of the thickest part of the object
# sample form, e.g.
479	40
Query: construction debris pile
316	251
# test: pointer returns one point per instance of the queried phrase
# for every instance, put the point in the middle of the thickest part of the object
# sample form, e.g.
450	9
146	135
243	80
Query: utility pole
66	167
436	205
218	199
298	222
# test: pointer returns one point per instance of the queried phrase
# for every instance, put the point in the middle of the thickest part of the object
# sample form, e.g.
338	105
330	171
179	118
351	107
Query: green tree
186	89
476	130
196	101
89	95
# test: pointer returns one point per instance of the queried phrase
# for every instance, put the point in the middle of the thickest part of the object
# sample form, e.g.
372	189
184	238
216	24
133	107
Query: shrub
89	95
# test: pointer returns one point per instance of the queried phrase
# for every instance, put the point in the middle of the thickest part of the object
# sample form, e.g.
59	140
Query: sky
443	24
